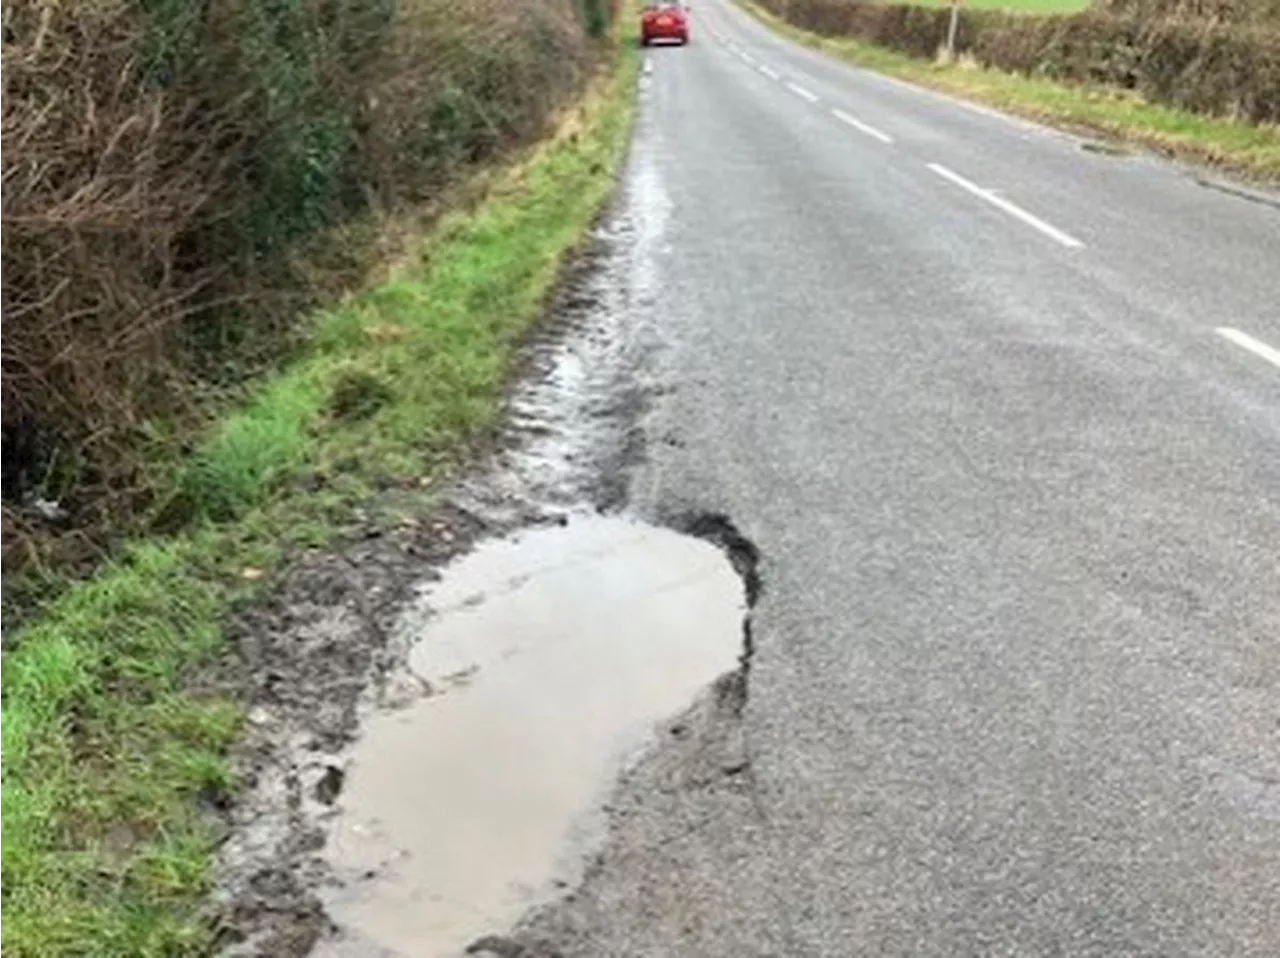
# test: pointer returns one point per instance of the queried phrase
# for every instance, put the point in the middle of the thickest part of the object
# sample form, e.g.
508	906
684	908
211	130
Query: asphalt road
1016	686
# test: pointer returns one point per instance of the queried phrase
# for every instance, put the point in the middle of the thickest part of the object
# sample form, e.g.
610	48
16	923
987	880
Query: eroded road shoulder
441	712
544	661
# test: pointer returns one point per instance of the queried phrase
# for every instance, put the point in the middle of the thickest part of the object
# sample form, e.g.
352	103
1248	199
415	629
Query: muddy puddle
537	667
322	662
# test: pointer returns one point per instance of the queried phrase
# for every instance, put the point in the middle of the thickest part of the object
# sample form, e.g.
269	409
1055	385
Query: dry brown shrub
1255	12
1226	65
168	166
497	69
101	178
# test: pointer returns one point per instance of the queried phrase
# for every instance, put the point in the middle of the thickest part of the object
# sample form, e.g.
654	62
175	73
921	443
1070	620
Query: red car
664	20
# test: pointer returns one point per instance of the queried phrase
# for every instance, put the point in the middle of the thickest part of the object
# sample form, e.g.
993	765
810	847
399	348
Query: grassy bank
186	180
110	757
1117	115
1031	6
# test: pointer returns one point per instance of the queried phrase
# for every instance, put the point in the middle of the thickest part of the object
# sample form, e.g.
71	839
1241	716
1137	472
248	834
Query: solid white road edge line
802	92
866	128
1255	346
1017	212
770	73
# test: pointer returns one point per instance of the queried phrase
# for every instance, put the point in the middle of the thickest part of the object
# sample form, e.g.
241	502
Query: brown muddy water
540	665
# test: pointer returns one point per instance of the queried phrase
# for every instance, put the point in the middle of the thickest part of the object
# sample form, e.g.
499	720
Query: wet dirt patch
328	648
545	661
574	426
303	659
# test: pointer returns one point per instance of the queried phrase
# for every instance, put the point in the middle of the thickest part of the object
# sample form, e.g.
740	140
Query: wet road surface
1017	654
1002	417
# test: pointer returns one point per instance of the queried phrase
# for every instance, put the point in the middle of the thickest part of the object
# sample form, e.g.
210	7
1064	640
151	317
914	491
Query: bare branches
164	164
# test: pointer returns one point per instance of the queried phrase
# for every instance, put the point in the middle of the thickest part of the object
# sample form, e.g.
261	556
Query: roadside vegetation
1198	79
113	756
1031	6
182	181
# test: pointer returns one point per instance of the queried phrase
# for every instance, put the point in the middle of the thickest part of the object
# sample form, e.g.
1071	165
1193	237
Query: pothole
546	662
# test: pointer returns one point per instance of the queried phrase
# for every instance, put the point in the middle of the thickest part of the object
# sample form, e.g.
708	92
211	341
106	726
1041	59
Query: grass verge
1030	6
111	755
1120	116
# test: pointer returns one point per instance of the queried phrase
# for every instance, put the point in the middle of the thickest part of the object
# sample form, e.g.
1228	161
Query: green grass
109	752
1117	115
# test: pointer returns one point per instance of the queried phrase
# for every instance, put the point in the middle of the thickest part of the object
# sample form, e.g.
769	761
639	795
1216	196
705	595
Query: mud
504	754
303	660
587	380
545	662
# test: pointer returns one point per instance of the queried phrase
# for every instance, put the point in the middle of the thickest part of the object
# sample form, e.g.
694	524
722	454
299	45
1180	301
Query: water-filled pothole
549	660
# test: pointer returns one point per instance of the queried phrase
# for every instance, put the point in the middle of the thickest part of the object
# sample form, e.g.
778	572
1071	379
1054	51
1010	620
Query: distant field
1035	6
